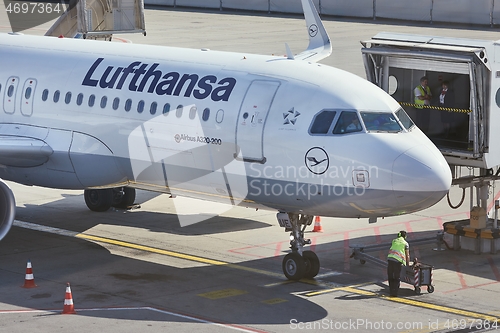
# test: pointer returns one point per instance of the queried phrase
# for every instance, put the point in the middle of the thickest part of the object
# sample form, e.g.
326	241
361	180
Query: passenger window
178	112
45	94
380	122
116	103
79	99
104	101
153	108
192	112
128	105
219	117
67	99
91	100
140	106
322	122
57	94
10	91
166	109
348	123
0	88
206	114
27	93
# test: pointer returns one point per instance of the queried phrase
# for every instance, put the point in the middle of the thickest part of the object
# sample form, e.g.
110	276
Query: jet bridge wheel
123	197
98	200
294	266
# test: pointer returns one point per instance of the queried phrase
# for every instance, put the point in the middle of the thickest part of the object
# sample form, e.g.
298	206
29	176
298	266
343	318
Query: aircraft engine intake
7	209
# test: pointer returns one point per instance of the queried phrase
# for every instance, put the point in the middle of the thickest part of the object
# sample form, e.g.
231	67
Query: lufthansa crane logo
317	160
313	30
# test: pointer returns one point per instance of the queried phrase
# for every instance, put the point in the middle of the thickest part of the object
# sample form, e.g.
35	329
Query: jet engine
7	209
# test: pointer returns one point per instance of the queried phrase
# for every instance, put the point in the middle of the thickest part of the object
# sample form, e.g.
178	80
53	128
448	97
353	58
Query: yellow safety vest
397	250
419	103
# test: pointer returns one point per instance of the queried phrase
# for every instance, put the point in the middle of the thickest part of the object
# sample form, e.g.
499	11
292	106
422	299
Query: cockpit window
348	123
404	119
380	122
322	122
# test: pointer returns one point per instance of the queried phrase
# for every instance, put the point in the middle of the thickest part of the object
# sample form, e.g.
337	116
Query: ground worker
399	255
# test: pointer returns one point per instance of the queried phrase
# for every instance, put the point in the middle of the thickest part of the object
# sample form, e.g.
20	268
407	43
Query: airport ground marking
224	293
407	301
148	308
352	289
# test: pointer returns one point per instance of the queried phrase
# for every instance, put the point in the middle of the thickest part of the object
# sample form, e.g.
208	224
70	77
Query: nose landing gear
299	263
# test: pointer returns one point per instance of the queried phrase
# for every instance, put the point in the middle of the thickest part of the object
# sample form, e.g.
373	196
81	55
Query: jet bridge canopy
463	131
100	19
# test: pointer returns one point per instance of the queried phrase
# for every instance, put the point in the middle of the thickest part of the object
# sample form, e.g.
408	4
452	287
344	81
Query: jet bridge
100	19
464	132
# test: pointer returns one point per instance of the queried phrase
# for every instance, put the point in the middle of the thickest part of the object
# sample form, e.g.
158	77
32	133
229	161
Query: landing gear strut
299	263
100	200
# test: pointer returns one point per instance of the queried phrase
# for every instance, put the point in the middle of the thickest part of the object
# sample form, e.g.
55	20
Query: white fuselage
237	128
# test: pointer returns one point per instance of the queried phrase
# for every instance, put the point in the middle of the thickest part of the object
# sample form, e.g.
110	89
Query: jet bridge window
322	122
380	122
348	123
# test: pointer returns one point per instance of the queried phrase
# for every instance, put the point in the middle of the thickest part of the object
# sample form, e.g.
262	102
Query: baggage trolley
418	275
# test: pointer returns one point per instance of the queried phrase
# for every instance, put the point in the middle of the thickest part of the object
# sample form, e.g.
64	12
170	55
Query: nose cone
420	178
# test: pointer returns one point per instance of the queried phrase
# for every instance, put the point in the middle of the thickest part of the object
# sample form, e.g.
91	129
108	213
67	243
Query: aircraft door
252	118
9	98
27	97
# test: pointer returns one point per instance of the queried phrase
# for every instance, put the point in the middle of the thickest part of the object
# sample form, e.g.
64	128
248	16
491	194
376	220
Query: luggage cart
417	275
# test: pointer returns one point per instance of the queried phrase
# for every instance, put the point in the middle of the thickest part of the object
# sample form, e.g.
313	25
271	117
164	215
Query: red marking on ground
312	247
471	287
494	268
340	245
277	252
376	231
459	273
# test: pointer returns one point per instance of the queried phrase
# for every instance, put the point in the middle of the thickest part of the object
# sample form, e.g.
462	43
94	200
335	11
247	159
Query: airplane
259	131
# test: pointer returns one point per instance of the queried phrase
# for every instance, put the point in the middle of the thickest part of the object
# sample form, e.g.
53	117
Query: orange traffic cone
317	225
29	280
68	302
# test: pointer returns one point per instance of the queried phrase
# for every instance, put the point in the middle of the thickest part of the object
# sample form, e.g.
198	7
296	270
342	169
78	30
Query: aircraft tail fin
320	46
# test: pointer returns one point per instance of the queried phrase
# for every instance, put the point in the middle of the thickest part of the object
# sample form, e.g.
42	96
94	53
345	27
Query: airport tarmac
139	271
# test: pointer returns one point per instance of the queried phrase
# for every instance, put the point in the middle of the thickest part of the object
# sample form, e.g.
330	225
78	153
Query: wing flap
23	152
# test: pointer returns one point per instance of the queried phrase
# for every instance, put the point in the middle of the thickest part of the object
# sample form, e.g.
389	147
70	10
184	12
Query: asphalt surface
139	271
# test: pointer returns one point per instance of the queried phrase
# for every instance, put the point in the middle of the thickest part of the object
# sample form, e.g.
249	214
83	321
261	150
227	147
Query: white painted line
183	316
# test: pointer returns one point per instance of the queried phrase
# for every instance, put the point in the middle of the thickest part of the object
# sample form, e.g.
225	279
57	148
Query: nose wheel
299	263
